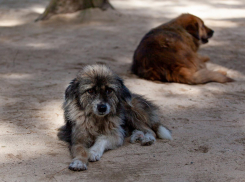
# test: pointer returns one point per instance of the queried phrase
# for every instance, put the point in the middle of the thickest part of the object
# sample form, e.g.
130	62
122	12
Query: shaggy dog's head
97	91
196	27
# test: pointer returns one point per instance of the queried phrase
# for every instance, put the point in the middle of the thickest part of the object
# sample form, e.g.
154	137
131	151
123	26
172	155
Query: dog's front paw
77	165
149	139
94	155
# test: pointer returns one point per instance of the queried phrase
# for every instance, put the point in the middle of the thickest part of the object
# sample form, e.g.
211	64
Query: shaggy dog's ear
71	90
125	93
193	29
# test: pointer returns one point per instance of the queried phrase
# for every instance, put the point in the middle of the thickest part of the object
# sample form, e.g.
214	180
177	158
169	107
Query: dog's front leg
80	158
104	142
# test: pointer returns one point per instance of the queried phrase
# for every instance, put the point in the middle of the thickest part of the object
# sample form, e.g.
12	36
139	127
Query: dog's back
169	53
157	56
159	53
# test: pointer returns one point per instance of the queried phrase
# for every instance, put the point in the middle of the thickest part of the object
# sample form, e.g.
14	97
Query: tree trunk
71	6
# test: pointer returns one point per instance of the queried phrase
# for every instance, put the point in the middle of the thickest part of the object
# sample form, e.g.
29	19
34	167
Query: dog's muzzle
204	40
210	33
102	108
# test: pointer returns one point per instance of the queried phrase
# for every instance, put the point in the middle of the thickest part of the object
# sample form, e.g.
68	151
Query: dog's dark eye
91	91
108	90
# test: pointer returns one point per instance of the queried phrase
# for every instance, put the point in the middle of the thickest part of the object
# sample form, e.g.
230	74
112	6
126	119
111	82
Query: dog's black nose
210	33
101	108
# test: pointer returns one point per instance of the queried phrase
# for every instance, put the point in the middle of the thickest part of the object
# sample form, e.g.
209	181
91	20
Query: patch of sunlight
10	23
141	4
55	112
207	11
40	45
214	42
232	2
148	3
158	89
37	9
171	9
7	129
221	24
15	76
12	146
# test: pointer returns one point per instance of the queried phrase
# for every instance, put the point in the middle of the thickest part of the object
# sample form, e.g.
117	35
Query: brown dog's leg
223	72
205	76
200	77
80	158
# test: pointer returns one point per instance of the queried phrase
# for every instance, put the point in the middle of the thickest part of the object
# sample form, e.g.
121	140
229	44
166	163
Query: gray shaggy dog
99	109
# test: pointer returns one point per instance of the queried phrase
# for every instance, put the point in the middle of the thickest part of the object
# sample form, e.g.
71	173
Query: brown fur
168	53
90	131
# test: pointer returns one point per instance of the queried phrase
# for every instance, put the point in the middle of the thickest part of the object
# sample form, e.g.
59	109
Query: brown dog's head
195	26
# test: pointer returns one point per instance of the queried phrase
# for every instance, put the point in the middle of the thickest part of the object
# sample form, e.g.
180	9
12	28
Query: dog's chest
96	126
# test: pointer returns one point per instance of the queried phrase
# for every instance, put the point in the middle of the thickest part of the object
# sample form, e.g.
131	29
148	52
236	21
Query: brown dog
169	53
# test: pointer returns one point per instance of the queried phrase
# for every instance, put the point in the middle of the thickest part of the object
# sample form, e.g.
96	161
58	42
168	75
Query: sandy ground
39	59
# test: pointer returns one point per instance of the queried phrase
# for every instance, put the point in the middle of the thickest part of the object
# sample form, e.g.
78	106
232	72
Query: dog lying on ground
168	53
98	110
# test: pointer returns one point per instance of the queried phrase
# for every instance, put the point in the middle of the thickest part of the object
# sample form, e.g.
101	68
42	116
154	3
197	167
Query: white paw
136	136
149	139
94	155
77	165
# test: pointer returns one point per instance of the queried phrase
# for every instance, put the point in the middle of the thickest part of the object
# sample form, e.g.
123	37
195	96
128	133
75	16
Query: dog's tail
163	132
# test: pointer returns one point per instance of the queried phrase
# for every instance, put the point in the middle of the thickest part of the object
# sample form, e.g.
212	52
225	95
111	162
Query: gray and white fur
98	110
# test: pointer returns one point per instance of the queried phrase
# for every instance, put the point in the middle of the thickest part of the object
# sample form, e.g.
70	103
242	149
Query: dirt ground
38	60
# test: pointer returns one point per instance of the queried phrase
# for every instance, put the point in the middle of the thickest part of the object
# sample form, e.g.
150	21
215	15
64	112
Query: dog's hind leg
145	139
149	137
143	118
200	77
143	133
205	76
137	136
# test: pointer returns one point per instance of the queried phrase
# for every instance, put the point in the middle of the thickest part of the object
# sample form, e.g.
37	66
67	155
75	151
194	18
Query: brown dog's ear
124	92
193	29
